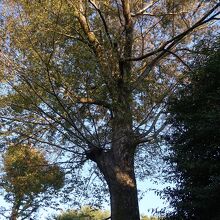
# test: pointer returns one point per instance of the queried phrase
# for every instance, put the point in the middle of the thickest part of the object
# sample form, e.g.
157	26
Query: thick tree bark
118	171
124	203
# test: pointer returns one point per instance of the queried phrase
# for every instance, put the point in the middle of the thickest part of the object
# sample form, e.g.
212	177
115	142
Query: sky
146	204
150	201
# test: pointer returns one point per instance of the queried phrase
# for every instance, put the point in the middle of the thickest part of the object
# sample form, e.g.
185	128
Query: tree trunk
13	216
123	195
15	208
14	212
118	171
124	204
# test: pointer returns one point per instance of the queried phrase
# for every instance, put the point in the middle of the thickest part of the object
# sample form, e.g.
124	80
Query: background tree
89	80
195	141
91	214
86	211
145	217
28	175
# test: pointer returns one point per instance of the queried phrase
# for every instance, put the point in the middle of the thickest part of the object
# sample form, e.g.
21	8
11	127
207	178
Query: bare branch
154	135
143	10
126	12
179	58
103	20
152	127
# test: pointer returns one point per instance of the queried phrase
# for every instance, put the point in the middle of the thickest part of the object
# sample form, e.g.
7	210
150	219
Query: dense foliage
195	142
28	175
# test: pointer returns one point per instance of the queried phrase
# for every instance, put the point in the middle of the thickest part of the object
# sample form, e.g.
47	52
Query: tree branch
78	13
170	44
179	37
103	20
180	59
142	11
95	102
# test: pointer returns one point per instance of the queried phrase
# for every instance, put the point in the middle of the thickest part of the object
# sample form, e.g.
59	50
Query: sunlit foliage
84	213
27	175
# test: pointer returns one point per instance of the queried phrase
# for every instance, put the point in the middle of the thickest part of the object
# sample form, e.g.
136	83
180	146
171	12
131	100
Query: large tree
90	79
195	141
